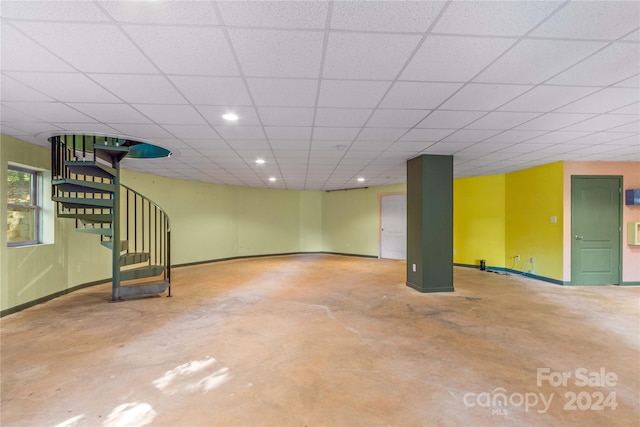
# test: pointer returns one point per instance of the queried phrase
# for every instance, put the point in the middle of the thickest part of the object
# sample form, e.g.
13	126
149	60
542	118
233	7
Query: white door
393	227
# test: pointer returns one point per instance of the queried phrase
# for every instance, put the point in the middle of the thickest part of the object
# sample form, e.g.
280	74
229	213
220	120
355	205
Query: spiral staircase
86	187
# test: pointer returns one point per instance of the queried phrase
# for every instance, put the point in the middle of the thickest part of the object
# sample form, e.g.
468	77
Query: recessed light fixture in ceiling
230	117
260	161
272	179
361	179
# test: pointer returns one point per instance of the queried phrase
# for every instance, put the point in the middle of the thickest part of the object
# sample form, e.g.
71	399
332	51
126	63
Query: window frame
35	205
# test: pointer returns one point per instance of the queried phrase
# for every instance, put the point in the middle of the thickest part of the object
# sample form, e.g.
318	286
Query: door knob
578	237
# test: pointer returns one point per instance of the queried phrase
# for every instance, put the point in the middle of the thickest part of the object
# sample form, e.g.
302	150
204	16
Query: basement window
24	213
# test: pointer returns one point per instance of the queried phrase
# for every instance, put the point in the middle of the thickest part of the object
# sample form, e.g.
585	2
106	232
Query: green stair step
83	202
79	186
109	244
141	272
90	168
110	152
96	230
143	289
133	258
88	218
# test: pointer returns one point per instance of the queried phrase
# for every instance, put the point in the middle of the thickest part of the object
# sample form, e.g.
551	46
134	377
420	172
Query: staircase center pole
115	239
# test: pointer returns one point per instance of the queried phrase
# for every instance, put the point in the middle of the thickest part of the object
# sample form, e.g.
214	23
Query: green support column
430	223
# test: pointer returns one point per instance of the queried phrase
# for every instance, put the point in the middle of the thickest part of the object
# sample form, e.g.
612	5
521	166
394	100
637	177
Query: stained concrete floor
321	340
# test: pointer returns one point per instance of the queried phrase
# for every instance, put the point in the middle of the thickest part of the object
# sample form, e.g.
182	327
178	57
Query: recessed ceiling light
260	161
361	179
230	116
272	179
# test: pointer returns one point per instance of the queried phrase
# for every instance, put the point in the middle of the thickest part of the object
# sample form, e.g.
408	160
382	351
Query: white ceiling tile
334	134
453	59
384	15
65	87
629	109
213	114
591	20
447	148
288	132
101	48
162	12
515	136
50	112
282	116
380	134
283	92
524	148
274	14
449	119
603	122
240	132
603	101
554	121
485	147
396	118
185	50
483	96
143	131
634	36
34	128
612	64
10	115
470	135
192	131
370	145
551	57
111	113
342	117
149	89
271	53
427	134
630	82
87	128
278	144
171	114
601	138
13	90
347	93
61	11
21	53
557	137
630	127
223	91
632	141
501	120
367	56
499	18
418	95
545	98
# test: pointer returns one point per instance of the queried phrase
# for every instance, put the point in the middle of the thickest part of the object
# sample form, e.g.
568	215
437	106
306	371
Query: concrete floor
323	340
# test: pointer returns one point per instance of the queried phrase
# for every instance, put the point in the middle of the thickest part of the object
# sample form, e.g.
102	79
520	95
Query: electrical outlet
414	268
531	260
517	257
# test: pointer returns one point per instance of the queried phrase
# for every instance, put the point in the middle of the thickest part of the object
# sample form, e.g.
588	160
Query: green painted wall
532	197
479	220
351	219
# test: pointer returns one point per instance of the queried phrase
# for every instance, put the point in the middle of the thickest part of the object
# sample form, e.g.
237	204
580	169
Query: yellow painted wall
351	219
311	221
479	220
532	197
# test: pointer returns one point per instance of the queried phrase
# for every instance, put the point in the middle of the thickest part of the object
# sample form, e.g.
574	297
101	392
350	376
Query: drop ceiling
327	92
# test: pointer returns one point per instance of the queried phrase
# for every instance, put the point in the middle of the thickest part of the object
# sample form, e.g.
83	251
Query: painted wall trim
491	269
630	284
49	297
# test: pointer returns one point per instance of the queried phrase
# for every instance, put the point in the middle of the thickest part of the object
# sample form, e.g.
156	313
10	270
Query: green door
595	230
